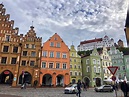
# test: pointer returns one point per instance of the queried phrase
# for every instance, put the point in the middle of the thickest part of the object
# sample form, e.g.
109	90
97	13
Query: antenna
32	23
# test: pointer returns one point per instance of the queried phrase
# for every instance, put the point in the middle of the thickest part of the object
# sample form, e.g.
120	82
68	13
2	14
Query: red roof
90	41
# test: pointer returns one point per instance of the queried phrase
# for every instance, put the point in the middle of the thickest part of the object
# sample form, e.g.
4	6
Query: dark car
104	88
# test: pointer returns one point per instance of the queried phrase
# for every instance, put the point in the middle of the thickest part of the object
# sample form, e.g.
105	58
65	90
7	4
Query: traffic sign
113	78
113	69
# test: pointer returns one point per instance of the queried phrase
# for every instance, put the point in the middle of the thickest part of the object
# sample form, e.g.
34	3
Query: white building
97	42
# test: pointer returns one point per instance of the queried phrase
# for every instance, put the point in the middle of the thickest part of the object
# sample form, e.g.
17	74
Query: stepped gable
7	25
90	41
31	36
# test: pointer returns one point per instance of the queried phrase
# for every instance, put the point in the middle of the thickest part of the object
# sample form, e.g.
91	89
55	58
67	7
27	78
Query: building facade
106	62
92	72
9	49
55	62
117	60
126	68
30	54
97	42
75	66
20	55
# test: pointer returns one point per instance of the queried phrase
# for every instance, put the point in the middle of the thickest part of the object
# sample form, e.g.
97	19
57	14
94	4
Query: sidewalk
4	95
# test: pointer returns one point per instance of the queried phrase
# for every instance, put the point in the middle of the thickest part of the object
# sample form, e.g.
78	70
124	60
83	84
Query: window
57	65
24	53
99	69
70	73
5	49
27	45
50	65
55	38
88	69
33	54
51	54
123	67
33	46
70	66
13	61
57	54
7	38
43	64
44	53
75	66
3	60
51	44
74	60
75	73
58	45
80	73
64	65
64	55
98	61
23	63
94	61
95	69
79	67
15	49
87	61
32	63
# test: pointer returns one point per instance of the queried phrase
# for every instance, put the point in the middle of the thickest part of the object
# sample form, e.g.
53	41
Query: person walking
124	88
79	85
35	83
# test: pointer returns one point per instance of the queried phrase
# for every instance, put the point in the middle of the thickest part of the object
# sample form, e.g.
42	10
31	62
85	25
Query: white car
104	88
72	88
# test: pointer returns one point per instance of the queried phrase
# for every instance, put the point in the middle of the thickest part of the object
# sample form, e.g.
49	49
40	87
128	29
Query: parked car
71	88
104	88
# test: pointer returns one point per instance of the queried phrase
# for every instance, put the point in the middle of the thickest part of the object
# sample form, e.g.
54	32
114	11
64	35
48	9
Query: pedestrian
79	85
35	83
124	88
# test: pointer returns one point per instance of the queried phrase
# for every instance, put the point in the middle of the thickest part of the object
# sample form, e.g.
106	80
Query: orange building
55	63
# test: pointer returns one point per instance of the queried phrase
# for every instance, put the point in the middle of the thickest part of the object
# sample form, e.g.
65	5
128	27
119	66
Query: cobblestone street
52	92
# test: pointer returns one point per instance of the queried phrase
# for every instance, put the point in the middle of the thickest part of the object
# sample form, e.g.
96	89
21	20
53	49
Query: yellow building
106	62
75	66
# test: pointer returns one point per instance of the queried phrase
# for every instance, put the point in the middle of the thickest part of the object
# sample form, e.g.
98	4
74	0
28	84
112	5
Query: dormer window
7	38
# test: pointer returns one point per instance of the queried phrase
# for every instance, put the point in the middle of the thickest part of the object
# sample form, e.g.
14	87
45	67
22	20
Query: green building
75	66
92	72
118	60
126	67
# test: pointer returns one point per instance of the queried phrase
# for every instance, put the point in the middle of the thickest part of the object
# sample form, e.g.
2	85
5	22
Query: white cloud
76	16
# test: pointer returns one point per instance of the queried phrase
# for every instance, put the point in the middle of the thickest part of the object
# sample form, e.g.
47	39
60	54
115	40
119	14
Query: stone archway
60	80
87	81
98	82
25	77
6	77
73	81
47	80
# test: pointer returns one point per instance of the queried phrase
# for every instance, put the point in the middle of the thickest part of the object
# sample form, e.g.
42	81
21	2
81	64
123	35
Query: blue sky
73	20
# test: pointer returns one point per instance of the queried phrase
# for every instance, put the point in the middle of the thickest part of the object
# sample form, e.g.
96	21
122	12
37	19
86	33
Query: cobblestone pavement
53	92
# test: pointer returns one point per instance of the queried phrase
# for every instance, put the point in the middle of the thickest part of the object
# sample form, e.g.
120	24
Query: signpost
113	70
